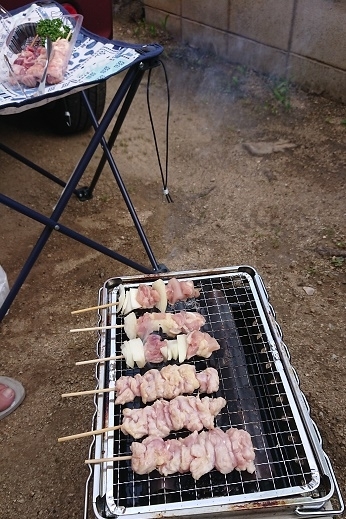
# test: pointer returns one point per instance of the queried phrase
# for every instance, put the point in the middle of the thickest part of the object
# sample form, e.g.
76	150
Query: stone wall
303	40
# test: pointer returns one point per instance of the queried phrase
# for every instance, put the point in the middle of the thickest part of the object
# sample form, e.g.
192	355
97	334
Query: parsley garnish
52	29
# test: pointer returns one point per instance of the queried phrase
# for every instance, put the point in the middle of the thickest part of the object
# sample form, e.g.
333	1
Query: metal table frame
122	99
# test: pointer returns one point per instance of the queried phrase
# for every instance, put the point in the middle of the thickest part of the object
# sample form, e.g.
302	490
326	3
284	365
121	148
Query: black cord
164	176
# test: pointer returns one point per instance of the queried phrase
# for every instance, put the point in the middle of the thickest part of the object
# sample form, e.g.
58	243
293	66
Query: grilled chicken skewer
145	296
159	419
156	350
171	324
196	453
156	296
183	412
169	382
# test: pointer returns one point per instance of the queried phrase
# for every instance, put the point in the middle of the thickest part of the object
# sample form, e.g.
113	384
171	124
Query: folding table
93	60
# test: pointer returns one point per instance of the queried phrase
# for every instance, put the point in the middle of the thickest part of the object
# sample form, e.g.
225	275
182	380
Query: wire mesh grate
258	400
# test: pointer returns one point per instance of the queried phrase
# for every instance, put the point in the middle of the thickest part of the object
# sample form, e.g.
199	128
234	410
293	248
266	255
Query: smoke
284	40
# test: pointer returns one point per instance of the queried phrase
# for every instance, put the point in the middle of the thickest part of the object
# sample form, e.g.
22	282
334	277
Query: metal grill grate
258	399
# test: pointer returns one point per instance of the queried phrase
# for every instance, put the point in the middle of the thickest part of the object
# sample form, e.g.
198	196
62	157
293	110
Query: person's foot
7	396
12	394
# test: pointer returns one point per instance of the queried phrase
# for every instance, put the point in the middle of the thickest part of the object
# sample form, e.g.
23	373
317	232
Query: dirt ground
282	212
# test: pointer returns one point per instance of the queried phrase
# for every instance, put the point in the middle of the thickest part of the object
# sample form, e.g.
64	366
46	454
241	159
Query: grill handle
286	351
305	512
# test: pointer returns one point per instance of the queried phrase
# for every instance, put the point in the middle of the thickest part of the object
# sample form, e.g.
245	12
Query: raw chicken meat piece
201	344
208	380
180	290
152	348
147	296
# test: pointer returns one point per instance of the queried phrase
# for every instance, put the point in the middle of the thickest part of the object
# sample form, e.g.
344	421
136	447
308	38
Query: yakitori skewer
171	324
103	460
145	346
98	307
156	350
95	361
198	453
91	329
88	433
160	419
145	296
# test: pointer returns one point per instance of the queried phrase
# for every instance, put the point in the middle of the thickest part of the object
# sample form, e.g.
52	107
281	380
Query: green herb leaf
52	29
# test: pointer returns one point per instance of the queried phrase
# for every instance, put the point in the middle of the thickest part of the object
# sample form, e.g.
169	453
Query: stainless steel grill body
293	475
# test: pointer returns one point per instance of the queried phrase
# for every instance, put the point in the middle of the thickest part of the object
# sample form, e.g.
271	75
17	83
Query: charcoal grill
293	474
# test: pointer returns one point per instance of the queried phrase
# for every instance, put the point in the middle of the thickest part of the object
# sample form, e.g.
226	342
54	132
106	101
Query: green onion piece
52	29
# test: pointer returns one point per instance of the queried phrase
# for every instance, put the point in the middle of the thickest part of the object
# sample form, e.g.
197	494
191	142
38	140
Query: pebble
309	290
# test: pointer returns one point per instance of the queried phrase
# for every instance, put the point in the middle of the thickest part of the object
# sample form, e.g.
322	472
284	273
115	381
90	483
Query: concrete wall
304	40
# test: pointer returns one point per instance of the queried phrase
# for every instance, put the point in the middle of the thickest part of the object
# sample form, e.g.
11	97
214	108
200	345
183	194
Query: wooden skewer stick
95	361
89	392
103	460
89	433
99	307
34	40
97	328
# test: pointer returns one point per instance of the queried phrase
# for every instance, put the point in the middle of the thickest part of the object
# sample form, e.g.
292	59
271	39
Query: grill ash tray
259	395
